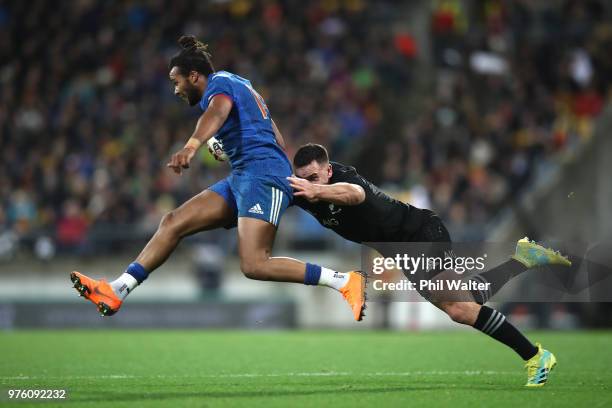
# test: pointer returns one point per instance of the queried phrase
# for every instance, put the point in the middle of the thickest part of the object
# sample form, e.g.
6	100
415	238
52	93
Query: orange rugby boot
99	293
355	294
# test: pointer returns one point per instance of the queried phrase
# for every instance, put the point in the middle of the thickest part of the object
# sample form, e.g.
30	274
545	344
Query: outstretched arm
337	193
208	124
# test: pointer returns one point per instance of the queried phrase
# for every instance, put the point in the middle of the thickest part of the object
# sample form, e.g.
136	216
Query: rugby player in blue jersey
253	198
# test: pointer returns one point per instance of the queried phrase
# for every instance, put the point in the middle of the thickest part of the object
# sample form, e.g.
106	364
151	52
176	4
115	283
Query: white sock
333	279
123	285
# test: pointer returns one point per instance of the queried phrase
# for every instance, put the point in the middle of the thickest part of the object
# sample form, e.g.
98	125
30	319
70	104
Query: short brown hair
309	152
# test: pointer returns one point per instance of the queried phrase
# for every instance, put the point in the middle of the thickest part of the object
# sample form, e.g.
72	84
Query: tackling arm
337	193
341	193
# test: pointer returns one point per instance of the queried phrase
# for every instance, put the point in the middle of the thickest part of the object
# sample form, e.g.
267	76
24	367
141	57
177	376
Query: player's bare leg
538	361
461	308
460	312
206	211
255	242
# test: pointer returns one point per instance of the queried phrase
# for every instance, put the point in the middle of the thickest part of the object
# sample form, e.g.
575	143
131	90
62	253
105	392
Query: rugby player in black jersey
345	202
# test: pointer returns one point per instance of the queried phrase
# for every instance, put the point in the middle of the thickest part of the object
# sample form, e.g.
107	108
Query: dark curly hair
194	56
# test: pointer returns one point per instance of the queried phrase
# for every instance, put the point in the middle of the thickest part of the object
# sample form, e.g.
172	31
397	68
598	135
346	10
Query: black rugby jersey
379	218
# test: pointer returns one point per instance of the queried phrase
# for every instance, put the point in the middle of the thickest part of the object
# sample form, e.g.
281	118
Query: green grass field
282	369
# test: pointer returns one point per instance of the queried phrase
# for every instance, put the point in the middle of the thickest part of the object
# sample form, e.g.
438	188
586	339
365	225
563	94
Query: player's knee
169	222
458	311
253	269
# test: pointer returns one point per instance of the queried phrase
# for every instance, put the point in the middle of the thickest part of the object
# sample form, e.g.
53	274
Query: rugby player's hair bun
193	56
187	41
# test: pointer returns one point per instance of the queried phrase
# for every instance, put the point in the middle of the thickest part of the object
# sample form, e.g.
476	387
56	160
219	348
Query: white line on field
257	375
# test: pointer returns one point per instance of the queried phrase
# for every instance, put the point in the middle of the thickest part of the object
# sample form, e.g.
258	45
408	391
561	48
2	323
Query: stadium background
493	113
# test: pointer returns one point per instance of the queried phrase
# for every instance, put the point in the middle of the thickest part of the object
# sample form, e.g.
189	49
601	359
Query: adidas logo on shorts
256	209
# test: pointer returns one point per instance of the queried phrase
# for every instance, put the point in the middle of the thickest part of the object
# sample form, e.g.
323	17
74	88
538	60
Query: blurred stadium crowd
88	117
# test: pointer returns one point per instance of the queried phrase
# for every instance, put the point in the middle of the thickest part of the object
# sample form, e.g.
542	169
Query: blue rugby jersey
247	134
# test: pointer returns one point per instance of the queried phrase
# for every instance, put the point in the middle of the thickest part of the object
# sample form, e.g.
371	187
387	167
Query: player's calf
494	324
350	284
255	269
461	312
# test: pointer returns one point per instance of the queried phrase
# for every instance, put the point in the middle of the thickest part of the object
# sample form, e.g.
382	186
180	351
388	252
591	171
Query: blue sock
313	274
137	271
